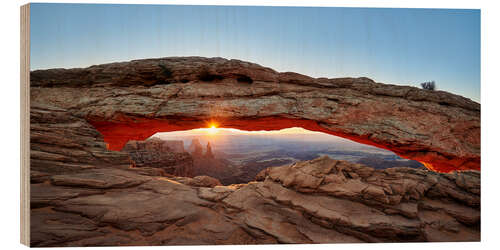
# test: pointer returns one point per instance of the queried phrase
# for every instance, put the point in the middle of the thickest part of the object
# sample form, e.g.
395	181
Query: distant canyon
238	158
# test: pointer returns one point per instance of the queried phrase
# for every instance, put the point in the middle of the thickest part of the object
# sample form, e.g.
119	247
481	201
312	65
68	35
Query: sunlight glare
213	130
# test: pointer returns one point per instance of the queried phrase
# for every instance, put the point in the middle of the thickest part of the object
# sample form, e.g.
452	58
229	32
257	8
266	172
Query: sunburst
213	130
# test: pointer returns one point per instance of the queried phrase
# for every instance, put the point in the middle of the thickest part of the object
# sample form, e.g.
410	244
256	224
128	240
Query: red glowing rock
125	101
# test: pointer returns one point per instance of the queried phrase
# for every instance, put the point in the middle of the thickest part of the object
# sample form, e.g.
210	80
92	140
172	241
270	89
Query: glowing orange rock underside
117	134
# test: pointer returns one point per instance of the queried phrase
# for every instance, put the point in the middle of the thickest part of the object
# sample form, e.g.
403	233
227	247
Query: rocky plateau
86	192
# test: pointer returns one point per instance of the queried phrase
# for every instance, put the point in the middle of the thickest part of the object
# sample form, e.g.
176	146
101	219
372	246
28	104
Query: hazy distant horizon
228	131
226	137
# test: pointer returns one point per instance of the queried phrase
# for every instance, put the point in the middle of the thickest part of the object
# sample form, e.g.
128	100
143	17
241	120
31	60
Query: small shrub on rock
428	85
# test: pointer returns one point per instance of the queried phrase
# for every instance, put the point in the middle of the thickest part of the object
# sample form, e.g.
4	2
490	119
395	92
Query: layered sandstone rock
133	100
83	194
62	143
156	153
318	201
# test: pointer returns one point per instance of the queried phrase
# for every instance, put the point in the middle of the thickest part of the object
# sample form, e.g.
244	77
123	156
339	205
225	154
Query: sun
213	130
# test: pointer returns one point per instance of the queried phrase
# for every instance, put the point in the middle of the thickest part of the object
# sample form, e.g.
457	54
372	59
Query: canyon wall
158	154
175	146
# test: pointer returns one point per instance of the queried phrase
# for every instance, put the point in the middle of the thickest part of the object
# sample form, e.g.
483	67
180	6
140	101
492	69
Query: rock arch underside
81	118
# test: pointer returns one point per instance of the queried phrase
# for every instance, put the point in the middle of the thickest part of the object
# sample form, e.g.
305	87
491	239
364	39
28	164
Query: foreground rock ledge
85	195
133	100
318	201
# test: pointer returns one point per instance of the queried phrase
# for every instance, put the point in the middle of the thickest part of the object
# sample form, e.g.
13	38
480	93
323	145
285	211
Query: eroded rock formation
133	100
175	146
62	143
195	148
158	154
320	201
83	194
208	152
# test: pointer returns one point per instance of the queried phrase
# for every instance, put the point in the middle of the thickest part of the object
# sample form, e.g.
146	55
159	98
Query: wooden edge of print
25	124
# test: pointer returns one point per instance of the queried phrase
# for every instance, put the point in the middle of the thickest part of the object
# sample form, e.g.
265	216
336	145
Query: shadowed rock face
196	149
61	143
175	146
85	195
157	153
208	152
133	100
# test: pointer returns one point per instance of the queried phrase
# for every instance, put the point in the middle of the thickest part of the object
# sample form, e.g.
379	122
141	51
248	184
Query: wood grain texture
25	124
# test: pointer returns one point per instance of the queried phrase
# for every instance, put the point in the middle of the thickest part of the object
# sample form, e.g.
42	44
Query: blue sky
397	46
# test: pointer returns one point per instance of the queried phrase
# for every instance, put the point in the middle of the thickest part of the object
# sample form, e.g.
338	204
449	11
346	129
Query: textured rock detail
158	154
133	100
62	143
83	194
317	201
102	200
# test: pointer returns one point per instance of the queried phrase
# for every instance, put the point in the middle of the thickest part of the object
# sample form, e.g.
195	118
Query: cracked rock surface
133	100
84	194
286	205
102	200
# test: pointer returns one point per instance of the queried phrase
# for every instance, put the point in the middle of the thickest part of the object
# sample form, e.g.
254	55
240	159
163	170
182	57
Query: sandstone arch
133	100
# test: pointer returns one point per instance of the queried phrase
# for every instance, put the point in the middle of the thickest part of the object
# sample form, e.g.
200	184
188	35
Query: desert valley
235	157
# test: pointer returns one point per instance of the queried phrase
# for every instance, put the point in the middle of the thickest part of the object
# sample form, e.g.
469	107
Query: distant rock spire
196	149
209	153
